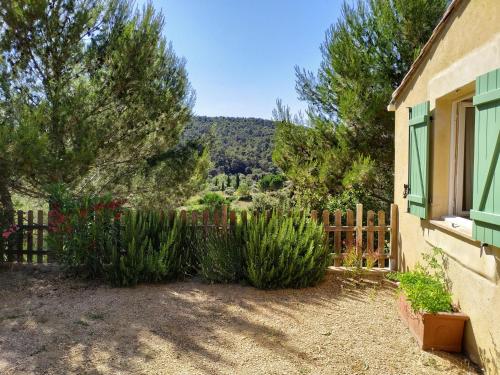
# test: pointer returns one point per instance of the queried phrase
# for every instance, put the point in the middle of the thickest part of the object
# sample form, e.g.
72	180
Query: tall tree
94	97
347	144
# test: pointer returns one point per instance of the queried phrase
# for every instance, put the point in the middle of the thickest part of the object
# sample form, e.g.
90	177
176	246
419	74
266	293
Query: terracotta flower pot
440	331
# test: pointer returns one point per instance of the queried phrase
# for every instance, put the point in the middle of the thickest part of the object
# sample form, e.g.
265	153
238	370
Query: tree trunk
6	204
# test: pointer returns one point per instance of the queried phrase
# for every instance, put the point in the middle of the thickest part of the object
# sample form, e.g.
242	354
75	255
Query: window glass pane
468	158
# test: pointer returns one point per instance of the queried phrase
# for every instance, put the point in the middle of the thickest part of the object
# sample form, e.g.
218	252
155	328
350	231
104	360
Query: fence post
205	221
394	259
325	220
224	217
359	230
232	219
39	237
370	234
314	215
381	238
337	238
349	237
183	216
29	237
216	219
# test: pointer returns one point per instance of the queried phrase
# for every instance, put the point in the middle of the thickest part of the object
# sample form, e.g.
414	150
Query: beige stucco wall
468	47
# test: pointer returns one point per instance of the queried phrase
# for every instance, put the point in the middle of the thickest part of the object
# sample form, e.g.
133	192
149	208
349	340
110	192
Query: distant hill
240	145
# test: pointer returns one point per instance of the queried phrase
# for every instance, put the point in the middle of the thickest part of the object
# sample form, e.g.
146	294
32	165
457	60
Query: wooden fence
369	235
28	244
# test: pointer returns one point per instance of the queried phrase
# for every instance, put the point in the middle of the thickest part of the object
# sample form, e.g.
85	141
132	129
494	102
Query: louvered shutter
418	174
486	189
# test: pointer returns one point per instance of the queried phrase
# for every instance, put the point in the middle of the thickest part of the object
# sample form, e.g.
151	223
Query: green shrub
425	292
272	201
272	182
83	231
213	200
155	248
286	251
352	196
425	287
220	255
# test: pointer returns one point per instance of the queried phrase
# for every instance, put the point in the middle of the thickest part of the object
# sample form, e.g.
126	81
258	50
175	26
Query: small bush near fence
285	251
151	247
221	254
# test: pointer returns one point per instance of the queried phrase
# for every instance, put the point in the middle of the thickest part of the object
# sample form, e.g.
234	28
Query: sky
241	54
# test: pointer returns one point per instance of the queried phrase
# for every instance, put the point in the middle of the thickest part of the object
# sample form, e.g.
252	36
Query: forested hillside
238	145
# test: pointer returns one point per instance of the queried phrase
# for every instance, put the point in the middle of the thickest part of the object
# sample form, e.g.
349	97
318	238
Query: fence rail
369	235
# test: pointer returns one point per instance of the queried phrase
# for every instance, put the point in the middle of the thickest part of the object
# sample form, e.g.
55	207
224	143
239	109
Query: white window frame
457	137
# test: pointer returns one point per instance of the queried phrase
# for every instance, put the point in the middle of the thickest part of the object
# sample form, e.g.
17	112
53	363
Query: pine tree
99	96
348	145
237	184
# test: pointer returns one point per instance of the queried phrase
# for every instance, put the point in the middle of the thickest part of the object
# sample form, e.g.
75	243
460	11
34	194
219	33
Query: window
462	161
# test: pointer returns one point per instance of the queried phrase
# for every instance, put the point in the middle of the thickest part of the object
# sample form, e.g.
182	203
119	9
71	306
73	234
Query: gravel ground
53	325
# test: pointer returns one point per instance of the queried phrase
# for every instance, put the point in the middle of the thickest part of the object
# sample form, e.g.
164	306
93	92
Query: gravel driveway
53	325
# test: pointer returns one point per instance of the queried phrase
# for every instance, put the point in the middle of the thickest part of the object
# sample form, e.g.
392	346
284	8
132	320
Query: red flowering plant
84	230
9	231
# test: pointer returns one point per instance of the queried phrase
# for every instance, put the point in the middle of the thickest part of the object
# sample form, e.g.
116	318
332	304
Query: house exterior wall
467	47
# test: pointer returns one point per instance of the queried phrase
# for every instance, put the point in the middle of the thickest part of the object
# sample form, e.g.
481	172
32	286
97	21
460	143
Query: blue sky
241	53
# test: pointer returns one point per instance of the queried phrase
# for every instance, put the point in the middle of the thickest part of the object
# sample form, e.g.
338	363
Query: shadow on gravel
51	324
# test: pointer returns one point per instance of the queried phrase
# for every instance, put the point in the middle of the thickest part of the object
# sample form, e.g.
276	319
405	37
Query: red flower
12	229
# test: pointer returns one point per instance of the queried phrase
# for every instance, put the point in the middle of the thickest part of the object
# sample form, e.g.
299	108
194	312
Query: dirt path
53	325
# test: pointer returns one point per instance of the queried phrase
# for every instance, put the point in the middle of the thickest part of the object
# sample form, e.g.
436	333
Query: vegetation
237	145
96	237
348	141
426	288
213	200
285	252
272	182
93	96
273	200
221	255
156	247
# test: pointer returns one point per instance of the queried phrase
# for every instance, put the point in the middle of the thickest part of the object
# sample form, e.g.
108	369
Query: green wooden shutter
486	189
418	174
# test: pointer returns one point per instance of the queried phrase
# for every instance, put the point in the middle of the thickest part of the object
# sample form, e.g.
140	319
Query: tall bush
83	230
285	251
154	248
221	254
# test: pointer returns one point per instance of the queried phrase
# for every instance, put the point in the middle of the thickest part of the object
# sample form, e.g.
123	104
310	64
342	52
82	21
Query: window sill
456	225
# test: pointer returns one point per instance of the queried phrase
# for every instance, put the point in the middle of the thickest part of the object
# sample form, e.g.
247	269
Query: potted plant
425	305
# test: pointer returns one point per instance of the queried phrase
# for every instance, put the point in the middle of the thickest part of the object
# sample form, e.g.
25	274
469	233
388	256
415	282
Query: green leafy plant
393	276
83	230
285	251
272	182
425	288
220	254
353	262
371	257
155	248
213	200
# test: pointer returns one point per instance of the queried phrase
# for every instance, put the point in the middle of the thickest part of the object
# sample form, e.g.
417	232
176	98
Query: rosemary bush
285	251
